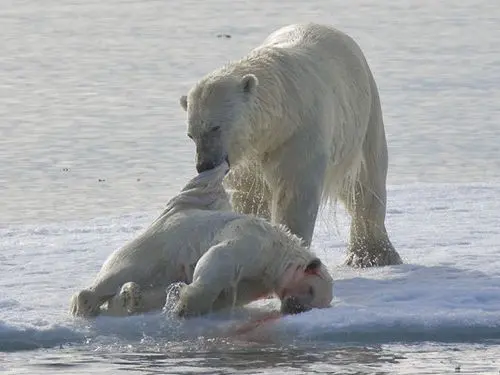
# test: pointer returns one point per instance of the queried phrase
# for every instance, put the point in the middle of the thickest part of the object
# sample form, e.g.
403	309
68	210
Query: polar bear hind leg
364	196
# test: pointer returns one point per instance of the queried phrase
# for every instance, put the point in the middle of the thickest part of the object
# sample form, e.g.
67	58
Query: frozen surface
448	290
93	144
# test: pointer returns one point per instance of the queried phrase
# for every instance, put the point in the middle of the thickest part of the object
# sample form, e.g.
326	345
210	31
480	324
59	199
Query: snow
448	290
90	92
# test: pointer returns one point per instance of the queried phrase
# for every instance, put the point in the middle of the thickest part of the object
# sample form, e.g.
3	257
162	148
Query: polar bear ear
313	266
249	82
184	102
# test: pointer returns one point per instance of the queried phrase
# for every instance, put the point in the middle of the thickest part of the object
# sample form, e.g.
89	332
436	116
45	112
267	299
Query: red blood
256	323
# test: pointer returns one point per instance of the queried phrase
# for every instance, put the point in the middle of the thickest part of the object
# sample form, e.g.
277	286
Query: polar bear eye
215	129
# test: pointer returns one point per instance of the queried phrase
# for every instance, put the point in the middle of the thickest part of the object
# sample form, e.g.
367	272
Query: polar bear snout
292	305
210	148
205	166
306	289
211	160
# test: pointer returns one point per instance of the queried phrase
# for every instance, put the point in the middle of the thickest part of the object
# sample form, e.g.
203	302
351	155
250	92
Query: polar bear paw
131	297
372	255
173	294
127	301
84	304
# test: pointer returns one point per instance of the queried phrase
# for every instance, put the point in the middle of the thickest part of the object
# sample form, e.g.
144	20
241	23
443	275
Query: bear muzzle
207	165
291	306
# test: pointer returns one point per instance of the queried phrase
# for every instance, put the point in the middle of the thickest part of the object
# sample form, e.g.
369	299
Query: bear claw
373	257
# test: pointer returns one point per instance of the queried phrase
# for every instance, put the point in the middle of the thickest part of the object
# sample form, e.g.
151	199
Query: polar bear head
304	288
218	109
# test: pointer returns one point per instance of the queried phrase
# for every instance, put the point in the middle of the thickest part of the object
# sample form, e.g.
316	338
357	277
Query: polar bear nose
291	305
205	166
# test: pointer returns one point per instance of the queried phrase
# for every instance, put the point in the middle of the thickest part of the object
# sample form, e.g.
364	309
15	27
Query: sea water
93	144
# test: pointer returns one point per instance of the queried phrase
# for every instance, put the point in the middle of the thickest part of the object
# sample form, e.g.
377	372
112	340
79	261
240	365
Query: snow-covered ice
448	289
92	145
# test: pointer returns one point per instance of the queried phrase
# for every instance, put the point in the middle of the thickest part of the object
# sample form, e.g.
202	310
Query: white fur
300	121
251	259
167	251
197	224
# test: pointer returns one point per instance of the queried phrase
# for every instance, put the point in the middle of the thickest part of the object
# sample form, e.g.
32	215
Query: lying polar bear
222	258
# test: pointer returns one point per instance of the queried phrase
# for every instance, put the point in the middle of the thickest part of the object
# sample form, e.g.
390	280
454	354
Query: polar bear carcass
224	258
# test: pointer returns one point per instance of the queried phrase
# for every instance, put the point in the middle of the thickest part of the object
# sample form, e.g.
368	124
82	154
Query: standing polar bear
300	122
222	258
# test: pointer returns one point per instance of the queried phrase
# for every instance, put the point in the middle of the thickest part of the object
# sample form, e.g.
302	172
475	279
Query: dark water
220	357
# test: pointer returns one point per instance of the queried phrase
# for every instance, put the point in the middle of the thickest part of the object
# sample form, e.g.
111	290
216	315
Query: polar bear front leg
196	299
297	183
215	280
